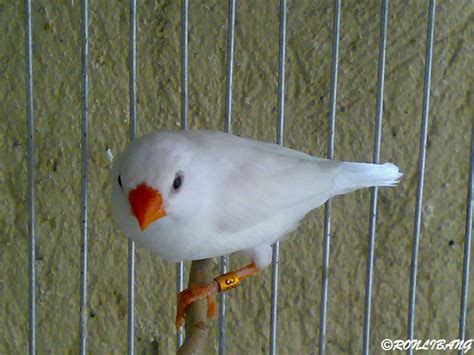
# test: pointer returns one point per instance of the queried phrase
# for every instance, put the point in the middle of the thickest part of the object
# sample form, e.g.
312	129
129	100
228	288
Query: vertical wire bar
184	63
376	159
421	170
84	177
132	62
179	288
280	135
222	308
184	125
330	155
31	180
228	129
230	66
467	247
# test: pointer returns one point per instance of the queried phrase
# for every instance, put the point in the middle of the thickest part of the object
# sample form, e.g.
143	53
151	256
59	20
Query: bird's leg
211	306
219	284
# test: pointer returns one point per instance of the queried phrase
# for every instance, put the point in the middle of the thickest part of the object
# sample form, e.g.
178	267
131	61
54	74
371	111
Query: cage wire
223	334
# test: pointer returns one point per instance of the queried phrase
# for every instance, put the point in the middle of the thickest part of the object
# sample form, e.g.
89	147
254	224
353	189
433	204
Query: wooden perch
197	330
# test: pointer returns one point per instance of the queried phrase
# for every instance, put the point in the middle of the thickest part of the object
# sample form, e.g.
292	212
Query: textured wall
57	106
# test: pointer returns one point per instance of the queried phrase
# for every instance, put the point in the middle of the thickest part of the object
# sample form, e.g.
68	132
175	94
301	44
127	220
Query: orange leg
197	292
211	306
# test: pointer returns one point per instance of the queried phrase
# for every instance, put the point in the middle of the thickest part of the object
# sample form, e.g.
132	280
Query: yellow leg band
228	281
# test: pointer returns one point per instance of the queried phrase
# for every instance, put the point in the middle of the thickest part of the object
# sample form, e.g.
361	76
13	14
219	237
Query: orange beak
147	205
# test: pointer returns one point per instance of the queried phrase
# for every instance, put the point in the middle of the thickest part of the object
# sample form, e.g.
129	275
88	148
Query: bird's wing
258	180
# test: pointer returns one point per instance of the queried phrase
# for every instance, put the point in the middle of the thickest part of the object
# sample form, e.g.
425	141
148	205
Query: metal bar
467	247
421	170
184	125
222	308
132	62
84	177
330	155
184	63
376	159
228	129
179	288
280	134
31	180
230	66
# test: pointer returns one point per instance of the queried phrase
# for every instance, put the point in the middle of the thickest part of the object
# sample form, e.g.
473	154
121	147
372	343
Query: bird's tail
359	175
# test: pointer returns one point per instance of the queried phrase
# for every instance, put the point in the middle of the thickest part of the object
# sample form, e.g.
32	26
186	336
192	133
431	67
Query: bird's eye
120	182
178	181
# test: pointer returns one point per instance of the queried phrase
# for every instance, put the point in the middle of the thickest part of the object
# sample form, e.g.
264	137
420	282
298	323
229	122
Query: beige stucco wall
58	120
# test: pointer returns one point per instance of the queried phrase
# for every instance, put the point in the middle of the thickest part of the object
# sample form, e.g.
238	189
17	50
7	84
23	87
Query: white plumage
236	194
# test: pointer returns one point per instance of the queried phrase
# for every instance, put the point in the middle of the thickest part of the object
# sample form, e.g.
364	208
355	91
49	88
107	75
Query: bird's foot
193	294
221	283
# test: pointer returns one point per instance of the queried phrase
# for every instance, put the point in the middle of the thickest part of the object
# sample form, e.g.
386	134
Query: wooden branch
197	330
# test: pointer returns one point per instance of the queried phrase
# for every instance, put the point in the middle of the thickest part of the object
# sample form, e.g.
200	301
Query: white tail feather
360	175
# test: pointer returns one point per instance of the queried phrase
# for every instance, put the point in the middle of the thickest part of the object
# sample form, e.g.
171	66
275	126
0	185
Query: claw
191	295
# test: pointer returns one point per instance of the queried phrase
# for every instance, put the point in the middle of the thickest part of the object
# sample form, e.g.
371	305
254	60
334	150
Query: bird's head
154	180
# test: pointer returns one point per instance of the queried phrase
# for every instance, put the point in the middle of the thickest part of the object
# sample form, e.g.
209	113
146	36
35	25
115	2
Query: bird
197	194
